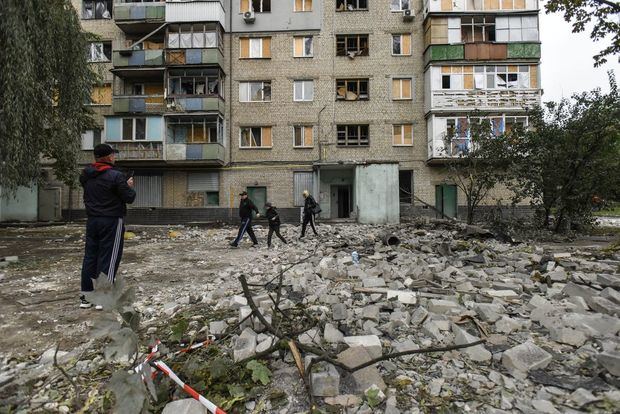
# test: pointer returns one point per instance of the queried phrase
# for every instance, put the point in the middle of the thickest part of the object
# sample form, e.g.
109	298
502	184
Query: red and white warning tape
192	392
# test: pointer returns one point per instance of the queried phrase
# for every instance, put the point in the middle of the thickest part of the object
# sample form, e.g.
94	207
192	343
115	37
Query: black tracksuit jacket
106	192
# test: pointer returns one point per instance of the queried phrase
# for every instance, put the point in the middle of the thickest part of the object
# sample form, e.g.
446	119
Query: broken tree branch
78	398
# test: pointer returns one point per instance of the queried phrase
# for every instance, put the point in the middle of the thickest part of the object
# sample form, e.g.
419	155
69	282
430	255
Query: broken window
507	77
401	44
196	130
261	6
201	82
352	45
402	135
255	47
351	89
303	90
99	52
517	28
353	135
401	88
400	5
477	29
350	5
253	137
91	138
302	6
134	129
302	46
101	95
96	9
255	91
302	136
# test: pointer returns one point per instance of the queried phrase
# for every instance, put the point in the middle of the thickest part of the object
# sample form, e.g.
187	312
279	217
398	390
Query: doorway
340	201
258	195
445	200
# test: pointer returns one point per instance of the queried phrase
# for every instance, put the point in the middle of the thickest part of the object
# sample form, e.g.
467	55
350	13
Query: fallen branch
78	398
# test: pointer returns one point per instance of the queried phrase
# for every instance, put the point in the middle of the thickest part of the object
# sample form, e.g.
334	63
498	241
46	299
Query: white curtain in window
198	40
395	5
243	92
308	46
173	40
186	40
308	90
256	48
479	80
456	81
210	39
524	80
96	53
298	90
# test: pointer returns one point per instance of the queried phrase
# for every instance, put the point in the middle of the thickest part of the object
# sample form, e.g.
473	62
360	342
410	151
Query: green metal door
258	195
445	199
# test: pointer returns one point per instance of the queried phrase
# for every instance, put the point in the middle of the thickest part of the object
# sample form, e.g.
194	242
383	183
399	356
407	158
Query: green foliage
570	155
45	80
178	329
260	372
372	397
602	15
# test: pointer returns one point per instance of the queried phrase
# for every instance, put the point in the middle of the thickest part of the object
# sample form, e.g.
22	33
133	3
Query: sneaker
98	307
233	244
255	245
84	304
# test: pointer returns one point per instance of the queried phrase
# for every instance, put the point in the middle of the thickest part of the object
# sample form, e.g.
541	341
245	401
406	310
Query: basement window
352	45
351	89
351	5
352	135
96	9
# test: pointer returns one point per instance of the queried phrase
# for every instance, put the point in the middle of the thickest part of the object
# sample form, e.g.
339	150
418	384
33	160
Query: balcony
206	56
481	52
195	11
139	17
442	148
192	103
139	151
138	58
213	153
492	99
461	6
139	104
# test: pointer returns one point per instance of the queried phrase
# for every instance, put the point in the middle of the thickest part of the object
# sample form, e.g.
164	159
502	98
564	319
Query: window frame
490	76
105	45
250	40
191	122
303	129
248	84
180	74
345	3
303	82
358	81
400	5
176	30
109	9
303	6
303	39
134	129
250	128
483	26
401	36
402	135
400	80
358	51
347	129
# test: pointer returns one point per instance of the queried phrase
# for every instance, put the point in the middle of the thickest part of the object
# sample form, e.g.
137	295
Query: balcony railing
146	11
206	56
139	104
484	99
195	152
195	103
460	6
138	58
482	51
448	147
139	150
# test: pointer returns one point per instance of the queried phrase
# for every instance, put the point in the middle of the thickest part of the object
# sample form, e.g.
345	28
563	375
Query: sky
566	63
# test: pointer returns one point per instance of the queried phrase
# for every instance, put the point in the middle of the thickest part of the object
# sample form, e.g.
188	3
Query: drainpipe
320	134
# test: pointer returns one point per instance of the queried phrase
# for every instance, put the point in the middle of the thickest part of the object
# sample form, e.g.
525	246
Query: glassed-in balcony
195	138
138	104
482	51
195	11
139	16
138	58
460	6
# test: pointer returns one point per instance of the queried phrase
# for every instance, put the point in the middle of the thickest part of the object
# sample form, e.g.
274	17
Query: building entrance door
445	200
340	201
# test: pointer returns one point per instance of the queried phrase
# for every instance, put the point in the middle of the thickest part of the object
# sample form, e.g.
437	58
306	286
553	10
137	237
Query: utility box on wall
376	189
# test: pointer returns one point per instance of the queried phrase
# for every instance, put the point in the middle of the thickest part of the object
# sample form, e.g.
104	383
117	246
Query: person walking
107	191
246	206
311	207
274	224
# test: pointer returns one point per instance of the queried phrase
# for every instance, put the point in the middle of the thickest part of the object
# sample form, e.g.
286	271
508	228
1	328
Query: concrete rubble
550	319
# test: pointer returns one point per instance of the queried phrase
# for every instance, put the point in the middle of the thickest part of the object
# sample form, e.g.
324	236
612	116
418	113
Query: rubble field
544	317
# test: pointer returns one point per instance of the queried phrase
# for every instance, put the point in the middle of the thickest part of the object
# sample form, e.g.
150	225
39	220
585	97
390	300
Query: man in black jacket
106	193
246	206
310	206
274	224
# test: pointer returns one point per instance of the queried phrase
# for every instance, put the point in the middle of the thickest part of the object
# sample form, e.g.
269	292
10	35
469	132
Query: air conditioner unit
408	15
249	16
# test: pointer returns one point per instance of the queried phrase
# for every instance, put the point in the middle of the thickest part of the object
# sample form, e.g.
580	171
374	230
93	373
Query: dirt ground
39	294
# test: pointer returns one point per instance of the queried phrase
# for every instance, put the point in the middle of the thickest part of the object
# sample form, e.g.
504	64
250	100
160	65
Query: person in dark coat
107	191
246	206
274	223
310	206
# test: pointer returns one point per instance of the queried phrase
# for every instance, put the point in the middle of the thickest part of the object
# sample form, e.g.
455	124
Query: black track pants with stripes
104	249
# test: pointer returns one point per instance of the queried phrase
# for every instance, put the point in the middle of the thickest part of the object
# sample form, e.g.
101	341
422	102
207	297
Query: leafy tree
478	161
603	14
570	155
45	80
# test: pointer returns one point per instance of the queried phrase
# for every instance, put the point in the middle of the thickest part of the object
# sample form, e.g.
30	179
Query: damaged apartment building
349	99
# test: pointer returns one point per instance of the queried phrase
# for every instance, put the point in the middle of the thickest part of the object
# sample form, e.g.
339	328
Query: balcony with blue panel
139	17
195	139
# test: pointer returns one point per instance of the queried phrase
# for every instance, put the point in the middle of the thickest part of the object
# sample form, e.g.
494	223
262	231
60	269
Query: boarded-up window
401	88
302	181
101	95
402	134
255	47
148	191
303	136
401	44
244	6
302	6
302	46
255	137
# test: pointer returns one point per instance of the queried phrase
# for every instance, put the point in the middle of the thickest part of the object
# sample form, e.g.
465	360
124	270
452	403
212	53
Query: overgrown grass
613	211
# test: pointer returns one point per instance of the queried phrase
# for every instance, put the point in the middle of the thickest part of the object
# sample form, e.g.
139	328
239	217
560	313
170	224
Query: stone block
476	353
332	335
567	336
325	381
185	406
339	311
371	343
610	361
363	378
525	357
441	306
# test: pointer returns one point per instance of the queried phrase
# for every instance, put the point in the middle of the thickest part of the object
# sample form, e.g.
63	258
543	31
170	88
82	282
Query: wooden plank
266	47
244	47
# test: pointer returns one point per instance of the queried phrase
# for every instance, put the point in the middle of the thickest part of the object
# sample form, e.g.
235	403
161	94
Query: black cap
243	193
103	150
267	204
